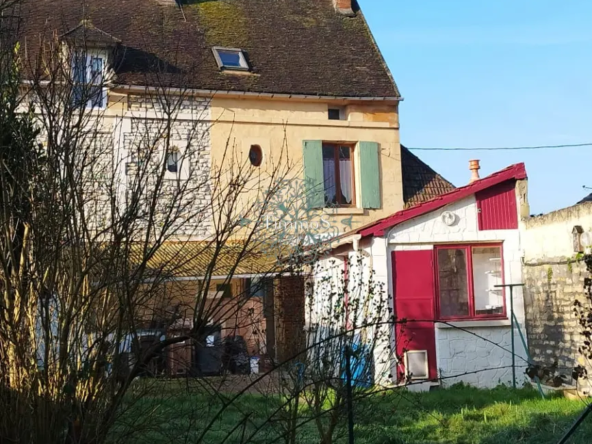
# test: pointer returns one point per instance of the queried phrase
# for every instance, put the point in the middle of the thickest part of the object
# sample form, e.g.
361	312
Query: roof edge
211	92
378	51
513	172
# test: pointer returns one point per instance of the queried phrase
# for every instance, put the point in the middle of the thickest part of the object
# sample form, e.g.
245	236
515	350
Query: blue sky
478	73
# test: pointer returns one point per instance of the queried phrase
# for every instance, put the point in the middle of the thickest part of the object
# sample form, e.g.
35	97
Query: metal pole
576	424
512	336
512	327
350	405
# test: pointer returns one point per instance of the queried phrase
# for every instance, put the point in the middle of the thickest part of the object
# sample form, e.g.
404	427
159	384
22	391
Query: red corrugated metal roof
513	172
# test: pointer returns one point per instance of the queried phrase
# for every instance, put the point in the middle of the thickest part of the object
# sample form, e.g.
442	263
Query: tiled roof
588	198
513	172
196	259
420	182
299	47
86	32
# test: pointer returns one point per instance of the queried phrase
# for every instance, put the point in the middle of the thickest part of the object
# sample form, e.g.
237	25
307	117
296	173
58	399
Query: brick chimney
344	7
474	167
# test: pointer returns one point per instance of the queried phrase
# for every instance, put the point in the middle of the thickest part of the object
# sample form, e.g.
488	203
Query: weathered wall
282	125
481	357
553	284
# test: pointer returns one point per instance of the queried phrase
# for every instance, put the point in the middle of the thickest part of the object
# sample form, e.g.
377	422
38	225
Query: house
235	83
443	263
555	283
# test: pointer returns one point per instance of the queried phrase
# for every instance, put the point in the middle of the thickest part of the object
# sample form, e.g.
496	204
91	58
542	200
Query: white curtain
345	179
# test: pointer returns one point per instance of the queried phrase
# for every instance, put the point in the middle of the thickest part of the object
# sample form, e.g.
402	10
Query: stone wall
553	329
553	283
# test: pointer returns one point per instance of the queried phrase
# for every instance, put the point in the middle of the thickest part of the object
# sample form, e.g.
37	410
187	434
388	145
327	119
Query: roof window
230	58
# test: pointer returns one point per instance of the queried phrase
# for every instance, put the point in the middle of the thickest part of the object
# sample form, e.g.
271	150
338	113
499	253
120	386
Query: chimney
344	7
474	167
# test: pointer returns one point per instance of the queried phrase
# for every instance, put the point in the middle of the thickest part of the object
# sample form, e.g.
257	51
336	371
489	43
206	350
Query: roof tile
299	47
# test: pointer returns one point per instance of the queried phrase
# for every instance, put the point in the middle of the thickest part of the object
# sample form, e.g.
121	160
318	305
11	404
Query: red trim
470	281
514	172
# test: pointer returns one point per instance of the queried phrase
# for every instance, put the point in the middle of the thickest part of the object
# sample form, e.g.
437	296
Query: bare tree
100	210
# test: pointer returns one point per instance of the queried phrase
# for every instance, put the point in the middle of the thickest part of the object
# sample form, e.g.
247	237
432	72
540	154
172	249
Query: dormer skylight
232	59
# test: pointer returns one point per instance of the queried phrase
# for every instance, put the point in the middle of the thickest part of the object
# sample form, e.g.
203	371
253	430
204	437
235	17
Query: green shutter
313	173
370	174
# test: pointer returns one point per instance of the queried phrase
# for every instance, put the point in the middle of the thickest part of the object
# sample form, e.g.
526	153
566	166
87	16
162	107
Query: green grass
460	415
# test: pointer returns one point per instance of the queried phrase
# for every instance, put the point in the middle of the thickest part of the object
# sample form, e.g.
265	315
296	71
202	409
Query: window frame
468	247
244	65
89	79
336	146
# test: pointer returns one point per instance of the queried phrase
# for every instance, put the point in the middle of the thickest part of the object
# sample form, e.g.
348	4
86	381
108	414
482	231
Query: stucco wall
550	236
282	125
553	284
462	356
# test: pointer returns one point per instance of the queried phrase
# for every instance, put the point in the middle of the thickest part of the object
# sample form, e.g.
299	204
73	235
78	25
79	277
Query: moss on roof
223	22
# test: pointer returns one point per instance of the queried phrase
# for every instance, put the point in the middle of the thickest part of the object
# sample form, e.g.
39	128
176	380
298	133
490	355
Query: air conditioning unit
416	364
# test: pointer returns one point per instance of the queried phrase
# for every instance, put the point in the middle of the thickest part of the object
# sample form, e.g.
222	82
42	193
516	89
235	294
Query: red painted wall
414	290
497	207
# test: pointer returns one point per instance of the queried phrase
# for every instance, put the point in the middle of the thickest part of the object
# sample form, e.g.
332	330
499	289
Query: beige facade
277	124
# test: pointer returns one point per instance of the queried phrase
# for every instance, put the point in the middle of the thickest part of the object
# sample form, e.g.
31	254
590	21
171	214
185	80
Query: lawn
178	412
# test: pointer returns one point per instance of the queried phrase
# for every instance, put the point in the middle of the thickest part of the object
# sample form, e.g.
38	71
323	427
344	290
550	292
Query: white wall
550	236
467	353
458	351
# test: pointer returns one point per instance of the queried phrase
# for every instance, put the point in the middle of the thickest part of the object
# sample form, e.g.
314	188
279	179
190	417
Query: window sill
475	323
344	210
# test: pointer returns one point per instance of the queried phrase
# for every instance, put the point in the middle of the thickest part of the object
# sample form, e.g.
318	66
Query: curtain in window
329	174
345	174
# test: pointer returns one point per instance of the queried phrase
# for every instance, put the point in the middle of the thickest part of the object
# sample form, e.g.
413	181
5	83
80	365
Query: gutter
216	93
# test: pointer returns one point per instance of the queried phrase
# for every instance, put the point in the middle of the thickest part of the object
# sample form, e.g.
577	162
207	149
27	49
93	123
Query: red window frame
470	282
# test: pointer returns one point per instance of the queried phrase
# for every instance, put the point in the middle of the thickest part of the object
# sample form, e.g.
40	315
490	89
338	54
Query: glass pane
452	274
230	58
487	273
172	161
345	175
329	175
79	73
96	70
96	96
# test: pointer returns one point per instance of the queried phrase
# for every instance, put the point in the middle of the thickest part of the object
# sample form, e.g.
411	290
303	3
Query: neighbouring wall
553	284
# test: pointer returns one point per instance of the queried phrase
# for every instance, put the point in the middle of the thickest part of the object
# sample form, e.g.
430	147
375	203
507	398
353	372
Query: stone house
554	282
441	263
304	77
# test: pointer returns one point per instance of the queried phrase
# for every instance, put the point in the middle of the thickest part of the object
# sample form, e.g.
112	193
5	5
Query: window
338	173
336	113
255	155
230	58
173	161
467	279
225	289
88	75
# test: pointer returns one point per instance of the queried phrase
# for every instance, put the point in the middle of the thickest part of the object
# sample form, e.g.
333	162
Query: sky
502	73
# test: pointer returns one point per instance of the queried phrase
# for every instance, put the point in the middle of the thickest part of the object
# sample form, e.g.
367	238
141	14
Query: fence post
349	394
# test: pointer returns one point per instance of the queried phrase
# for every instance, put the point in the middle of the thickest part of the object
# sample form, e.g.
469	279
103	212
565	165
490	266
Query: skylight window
230	59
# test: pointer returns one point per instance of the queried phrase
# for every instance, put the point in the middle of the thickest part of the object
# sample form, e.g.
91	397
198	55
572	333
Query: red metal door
414	294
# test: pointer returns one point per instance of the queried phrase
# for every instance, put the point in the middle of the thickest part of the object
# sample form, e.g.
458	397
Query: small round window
255	155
